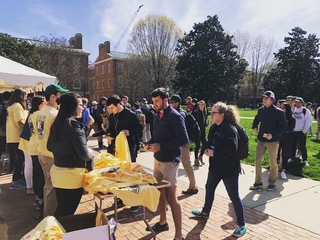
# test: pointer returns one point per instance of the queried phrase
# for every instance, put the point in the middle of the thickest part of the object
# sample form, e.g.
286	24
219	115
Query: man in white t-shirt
303	123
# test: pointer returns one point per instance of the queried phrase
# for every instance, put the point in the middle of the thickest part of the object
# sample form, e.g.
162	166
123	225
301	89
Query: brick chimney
76	41
104	48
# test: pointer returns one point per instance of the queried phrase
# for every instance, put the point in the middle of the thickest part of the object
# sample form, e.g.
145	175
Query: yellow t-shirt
23	146
33	144
67	178
16	113
45	118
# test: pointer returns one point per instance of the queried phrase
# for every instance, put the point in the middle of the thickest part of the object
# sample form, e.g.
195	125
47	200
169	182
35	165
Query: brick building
105	73
66	60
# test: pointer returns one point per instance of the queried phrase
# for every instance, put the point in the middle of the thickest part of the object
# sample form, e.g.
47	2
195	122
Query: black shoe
159	228
190	191
119	203
256	186
270	187
134	209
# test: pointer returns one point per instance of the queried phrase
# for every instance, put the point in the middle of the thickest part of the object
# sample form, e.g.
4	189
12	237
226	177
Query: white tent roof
13	75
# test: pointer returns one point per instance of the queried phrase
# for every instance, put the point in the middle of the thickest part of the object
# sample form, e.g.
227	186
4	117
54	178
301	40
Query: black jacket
223	139
271	120
171	133
201	118
126	120
71	148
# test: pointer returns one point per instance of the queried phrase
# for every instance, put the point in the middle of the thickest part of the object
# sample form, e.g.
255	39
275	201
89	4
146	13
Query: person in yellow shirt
45	118
37	103
68	143
15	123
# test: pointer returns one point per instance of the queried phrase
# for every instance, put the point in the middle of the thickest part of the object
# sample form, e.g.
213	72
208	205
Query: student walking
224	163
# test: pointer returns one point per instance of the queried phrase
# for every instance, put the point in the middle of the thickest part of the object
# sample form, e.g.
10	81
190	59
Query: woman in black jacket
201	117
286	138
67	141
224	163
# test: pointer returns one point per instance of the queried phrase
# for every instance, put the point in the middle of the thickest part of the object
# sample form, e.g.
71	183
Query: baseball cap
54	88
176	98
269	94
188	98
299	99
94	103
144	100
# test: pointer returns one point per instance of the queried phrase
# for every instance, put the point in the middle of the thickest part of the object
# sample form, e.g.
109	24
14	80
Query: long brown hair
18	96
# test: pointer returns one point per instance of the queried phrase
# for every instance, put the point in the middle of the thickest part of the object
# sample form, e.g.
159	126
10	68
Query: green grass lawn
313	147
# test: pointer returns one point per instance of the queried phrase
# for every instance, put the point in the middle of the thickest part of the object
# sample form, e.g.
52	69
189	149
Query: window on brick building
120	83
109	68
119	68
109	83
97	71
102	69
76	84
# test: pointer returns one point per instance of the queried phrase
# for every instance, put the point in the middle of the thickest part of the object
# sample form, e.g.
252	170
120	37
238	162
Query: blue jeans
231	185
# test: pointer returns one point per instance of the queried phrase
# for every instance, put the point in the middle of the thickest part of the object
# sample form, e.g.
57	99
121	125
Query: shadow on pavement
195	232
259	198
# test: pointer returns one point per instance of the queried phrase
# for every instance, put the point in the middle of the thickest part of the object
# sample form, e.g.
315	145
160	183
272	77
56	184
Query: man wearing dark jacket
272	125
169	134
124	120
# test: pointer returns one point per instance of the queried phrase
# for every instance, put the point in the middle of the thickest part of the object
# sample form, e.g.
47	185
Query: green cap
176	98
54	88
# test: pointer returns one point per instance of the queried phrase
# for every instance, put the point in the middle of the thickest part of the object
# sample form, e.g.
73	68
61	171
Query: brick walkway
17	211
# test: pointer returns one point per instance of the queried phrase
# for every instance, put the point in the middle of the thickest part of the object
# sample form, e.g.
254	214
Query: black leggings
203	141
67	201
16	161
37	177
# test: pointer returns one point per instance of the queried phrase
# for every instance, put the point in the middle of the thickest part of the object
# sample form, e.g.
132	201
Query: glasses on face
172	102
264	98
213	113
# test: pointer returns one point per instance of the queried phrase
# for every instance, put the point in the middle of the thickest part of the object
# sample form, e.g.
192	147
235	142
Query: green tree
298	67
20	50
208	65
153	41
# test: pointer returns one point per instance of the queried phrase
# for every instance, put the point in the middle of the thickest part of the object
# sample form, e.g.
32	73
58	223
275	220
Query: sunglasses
213	113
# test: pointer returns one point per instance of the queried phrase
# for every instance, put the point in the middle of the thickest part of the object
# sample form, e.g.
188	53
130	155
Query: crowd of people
46	138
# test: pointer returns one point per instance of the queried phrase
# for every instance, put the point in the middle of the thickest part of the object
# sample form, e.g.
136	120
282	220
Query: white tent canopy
15	75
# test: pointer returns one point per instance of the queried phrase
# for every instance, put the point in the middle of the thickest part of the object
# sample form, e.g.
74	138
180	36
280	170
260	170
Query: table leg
148	225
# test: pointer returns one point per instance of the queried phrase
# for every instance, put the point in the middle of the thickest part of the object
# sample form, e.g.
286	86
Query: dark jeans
3	144
67	201
285	144
299	139
231	185
16	161
37	177
203	141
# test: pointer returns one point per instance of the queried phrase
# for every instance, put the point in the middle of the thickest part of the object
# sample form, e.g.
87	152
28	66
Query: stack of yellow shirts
48	229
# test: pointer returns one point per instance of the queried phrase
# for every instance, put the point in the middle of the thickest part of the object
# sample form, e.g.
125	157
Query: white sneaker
283	176
306	163
290	160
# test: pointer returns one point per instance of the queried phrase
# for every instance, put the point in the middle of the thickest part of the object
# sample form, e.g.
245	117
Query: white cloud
47	13
272	18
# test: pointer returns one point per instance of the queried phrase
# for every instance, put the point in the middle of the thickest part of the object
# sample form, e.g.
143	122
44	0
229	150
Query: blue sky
100	20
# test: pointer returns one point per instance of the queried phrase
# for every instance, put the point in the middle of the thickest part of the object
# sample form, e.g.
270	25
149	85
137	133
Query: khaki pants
49	193
186	162
272	148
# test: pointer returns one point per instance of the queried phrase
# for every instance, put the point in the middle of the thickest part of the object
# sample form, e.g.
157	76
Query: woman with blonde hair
16	118
200	115
224	162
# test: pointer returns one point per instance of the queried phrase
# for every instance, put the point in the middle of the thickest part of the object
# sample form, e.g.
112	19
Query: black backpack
3	117
243	143
192	126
